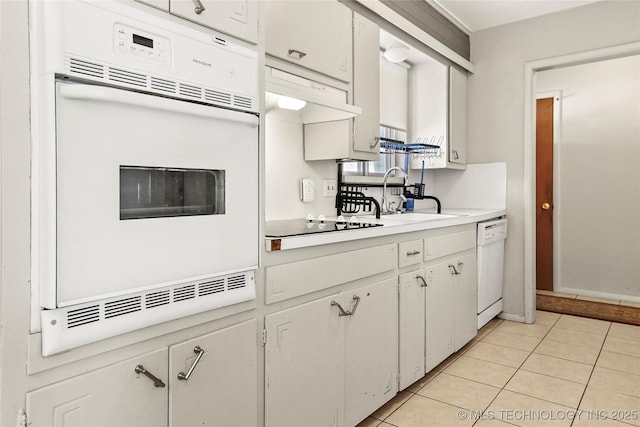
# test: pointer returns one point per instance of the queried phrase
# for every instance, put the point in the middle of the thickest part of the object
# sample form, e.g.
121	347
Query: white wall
597	199
285	166
496	99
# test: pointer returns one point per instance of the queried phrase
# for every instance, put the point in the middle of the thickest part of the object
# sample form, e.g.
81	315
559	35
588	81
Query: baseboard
512	317
591	309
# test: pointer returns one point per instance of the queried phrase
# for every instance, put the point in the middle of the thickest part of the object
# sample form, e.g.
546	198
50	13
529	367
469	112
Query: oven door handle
96	93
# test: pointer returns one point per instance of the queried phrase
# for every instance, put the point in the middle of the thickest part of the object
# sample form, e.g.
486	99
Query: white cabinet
237	18
146	390
313	34
457	117
437	305
359	138
438	115
222	388
333	361
394	92
371	350
112	396
366	89
439	314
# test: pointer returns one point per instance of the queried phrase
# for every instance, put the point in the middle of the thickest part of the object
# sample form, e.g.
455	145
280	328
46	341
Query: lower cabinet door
466	300
304	366
412	327
371	349
116	395
439	314
214	379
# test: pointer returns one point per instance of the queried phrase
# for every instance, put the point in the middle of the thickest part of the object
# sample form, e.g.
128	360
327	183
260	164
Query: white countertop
393	224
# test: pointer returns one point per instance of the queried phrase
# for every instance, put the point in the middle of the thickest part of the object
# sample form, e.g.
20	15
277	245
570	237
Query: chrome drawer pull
456	271
410	253
200	352
424	282
342	311
199	7
297	53
156	381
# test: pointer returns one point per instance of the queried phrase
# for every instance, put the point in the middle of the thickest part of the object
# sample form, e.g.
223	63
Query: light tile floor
561	371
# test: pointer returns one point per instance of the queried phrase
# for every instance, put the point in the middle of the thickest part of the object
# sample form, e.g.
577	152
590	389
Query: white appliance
145	190
491	240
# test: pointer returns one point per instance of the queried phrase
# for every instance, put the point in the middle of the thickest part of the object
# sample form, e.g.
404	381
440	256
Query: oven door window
156	192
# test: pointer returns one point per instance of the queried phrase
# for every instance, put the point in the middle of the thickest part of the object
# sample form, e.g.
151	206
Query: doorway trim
529	179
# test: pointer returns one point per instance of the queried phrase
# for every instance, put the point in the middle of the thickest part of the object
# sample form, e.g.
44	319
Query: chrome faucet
385	205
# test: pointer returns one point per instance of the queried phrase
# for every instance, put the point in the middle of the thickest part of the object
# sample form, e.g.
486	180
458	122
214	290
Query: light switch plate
307	190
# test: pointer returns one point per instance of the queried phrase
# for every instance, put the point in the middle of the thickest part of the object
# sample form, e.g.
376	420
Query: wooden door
371	349
544	194
222	388
304	365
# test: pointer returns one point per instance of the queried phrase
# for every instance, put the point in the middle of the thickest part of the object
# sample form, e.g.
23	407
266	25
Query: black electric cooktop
301	227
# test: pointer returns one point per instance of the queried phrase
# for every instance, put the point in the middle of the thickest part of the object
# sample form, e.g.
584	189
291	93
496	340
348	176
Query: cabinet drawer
409	253
439	246
303	277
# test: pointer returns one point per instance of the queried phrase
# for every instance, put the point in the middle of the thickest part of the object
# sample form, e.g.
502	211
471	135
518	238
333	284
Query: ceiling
476	15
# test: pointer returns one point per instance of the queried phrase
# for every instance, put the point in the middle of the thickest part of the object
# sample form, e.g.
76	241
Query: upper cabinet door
366	85
457	117
312	34
238	18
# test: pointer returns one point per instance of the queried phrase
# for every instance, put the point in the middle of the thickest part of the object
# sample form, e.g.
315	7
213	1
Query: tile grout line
517	369
592	369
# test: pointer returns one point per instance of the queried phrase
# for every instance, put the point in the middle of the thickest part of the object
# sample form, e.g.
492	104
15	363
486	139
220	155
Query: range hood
323	103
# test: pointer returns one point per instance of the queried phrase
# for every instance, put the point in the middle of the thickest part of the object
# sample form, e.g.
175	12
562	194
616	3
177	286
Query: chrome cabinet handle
424	282
376	141
200	352
458	270
411	253
199	7
156	381
295	52
342	311
455	155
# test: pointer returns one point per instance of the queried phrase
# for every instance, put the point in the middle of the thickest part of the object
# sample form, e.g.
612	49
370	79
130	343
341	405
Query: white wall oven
145	171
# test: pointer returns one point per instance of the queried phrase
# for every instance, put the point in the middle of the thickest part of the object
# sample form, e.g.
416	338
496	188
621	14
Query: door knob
545	206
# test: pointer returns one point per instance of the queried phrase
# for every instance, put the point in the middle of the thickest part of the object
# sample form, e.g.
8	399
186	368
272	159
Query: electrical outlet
307	190
330	188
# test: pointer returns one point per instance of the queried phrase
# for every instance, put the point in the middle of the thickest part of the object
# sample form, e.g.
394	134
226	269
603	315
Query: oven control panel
132	42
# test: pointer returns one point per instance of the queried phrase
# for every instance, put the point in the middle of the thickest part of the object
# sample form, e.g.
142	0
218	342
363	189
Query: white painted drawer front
303	277
439	246
409	253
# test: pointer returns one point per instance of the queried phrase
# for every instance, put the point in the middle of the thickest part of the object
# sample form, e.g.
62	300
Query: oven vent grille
184	293
211	287
103	72
217	96
73	326
83	316
86	68
163	85
157	299
242	102
124	76
122	306
190	91
236	282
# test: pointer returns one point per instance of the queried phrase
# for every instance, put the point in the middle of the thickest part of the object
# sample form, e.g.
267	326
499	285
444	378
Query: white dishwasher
491	237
